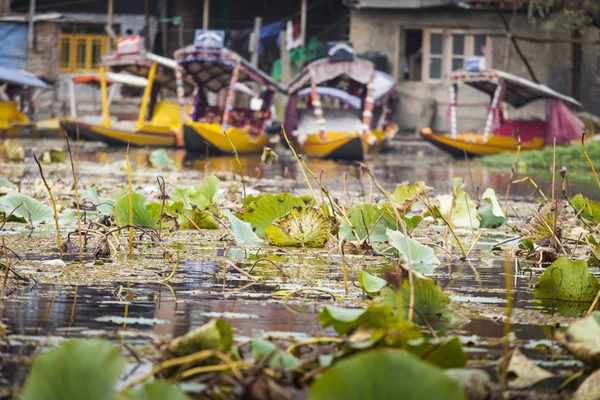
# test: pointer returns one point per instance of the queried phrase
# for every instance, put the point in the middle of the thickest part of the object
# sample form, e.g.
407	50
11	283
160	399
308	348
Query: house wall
376	30
43	59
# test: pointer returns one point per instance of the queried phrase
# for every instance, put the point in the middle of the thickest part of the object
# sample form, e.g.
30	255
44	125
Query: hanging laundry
269	32
293	37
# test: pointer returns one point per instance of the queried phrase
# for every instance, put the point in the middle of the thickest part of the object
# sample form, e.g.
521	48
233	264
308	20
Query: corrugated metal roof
45	17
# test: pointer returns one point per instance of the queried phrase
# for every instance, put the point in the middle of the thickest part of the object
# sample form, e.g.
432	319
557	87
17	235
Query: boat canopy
517	91
21	78
383	84
112	77
139	64
212	68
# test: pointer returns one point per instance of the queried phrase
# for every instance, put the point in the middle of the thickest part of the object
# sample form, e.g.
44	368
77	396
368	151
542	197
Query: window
445	51
81	52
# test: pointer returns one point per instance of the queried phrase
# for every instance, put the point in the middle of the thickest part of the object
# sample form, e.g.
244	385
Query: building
424	40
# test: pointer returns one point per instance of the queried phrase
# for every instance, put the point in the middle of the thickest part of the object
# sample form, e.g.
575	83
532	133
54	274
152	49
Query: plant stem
287	140
53	206
76	197
130	201
588	159
512	171
237	158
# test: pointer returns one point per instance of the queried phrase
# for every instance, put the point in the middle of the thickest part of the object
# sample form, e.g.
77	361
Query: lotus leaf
384	374
301	227
261	212
370	284
159	158
341	319
421	256
491	214
242	231
143	214
279	359
26	208
14	150
199	218
156	390
214	335
367	220
404	196
523	372
586	208
582	339
76	369
567	280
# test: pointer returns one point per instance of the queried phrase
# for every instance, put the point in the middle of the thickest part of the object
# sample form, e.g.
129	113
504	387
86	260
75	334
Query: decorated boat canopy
131	58
383	85
213	68
517	91
341	74
21	78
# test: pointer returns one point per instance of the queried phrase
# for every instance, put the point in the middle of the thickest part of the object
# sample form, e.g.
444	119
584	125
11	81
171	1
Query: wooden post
399	54
286	73
147	25
4	7
181	44
109	23
507	46
30	32
255	41
163	17
205	12
303	22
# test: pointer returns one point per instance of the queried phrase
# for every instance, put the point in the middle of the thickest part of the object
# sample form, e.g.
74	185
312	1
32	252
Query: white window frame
447	50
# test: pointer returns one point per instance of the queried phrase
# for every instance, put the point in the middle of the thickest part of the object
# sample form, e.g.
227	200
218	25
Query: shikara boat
13	122
225	112
501	134
161	127
340	96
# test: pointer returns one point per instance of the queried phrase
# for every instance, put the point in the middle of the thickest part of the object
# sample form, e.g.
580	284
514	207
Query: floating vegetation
194	285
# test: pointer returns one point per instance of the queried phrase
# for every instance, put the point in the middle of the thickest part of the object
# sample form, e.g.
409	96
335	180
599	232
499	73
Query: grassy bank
572	157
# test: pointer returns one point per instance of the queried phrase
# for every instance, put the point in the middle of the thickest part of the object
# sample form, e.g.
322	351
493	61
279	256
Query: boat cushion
244	118
528	129
336	120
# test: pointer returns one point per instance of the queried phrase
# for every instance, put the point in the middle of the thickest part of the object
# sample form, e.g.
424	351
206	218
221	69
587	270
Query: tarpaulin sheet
13	46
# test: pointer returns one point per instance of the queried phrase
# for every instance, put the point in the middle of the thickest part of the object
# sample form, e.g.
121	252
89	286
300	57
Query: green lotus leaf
242	231
384	374
159	158
567	280
367	220
279	359
143	214
370	284
77	369
586	208
156	390
491	214
404	196
200	218
25	208
422	257
261	212
341	319
582	339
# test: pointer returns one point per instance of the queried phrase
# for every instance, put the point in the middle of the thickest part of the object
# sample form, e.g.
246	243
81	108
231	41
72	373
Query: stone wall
375	30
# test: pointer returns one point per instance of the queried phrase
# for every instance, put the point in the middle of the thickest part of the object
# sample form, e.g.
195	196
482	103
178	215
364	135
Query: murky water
37	314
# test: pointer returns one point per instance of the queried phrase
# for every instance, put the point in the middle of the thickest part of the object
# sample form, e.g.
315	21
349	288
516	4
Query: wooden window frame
88	40
447	50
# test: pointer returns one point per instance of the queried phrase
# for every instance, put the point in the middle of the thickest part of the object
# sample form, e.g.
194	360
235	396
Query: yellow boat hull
202	138
474	145
148	135
346	145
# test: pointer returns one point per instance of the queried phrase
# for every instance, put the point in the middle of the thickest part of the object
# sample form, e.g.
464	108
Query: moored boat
332	105
14	123
157	123
238	116
500	133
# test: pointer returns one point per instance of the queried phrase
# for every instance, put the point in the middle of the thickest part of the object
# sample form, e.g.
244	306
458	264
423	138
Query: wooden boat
144	69
13	122
341	94
220	76
500	133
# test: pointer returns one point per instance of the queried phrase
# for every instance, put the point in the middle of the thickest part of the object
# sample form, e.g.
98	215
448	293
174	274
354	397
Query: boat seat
244	118
336	120
167	113
10	115
528	129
